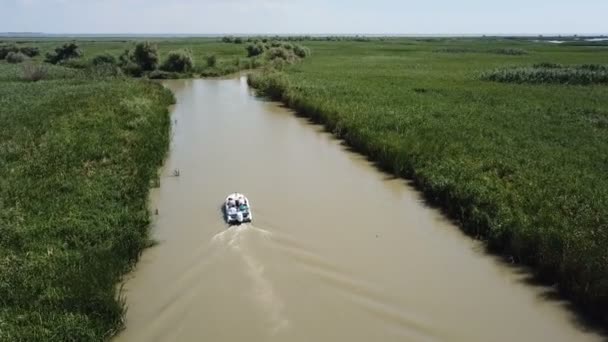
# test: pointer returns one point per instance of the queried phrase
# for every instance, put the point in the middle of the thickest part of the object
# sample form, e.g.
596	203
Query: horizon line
511	34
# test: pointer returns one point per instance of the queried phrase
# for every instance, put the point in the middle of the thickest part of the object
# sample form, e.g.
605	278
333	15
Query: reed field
509	136
77	158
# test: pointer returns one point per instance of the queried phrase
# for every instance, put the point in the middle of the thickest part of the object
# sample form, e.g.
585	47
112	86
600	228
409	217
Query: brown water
337	251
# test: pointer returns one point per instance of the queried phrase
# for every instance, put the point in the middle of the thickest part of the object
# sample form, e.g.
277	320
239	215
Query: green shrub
211	61
63	53
30	51
301	51
104	70
15	57
280	53
132	69
254	50
145	55
105	58
178	61
6	49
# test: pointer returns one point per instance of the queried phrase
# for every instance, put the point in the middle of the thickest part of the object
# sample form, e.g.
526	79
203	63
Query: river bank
518	166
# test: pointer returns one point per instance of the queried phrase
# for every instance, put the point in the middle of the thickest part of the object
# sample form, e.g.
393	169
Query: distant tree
145	55
63	53
255	49
178	61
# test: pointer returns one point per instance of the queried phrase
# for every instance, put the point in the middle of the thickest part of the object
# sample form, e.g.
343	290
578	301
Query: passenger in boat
231	202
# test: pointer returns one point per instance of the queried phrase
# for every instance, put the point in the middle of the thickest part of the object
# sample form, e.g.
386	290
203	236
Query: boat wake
264	293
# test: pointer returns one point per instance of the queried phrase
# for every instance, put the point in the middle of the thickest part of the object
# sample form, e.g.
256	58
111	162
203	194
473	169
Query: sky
306	16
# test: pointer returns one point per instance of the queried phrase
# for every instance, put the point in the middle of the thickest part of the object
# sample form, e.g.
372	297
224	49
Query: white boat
237	209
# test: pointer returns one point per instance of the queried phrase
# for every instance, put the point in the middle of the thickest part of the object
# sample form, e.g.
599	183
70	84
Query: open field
522	166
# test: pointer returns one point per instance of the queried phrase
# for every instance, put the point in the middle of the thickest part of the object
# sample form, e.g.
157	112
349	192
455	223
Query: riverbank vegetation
520	163
157	59
77	156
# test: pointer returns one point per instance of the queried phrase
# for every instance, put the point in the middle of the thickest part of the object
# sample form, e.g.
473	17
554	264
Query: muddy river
338	251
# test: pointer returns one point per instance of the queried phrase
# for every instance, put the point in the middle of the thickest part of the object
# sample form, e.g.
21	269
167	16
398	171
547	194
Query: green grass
521	166
76	160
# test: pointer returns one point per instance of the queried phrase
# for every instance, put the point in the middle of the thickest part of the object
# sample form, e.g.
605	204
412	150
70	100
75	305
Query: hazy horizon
314	17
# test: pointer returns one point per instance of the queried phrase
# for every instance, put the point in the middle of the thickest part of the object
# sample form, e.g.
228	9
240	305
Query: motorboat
237	209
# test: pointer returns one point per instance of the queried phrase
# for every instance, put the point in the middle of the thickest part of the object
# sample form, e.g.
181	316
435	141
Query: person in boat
231	202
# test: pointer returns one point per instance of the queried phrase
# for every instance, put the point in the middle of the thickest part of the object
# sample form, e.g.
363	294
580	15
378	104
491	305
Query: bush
132	69
63	53
255	49
15	57
211	61
280	53
301	51
178	61
30	51
6	49
34	72
105	58
145	55
103	70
